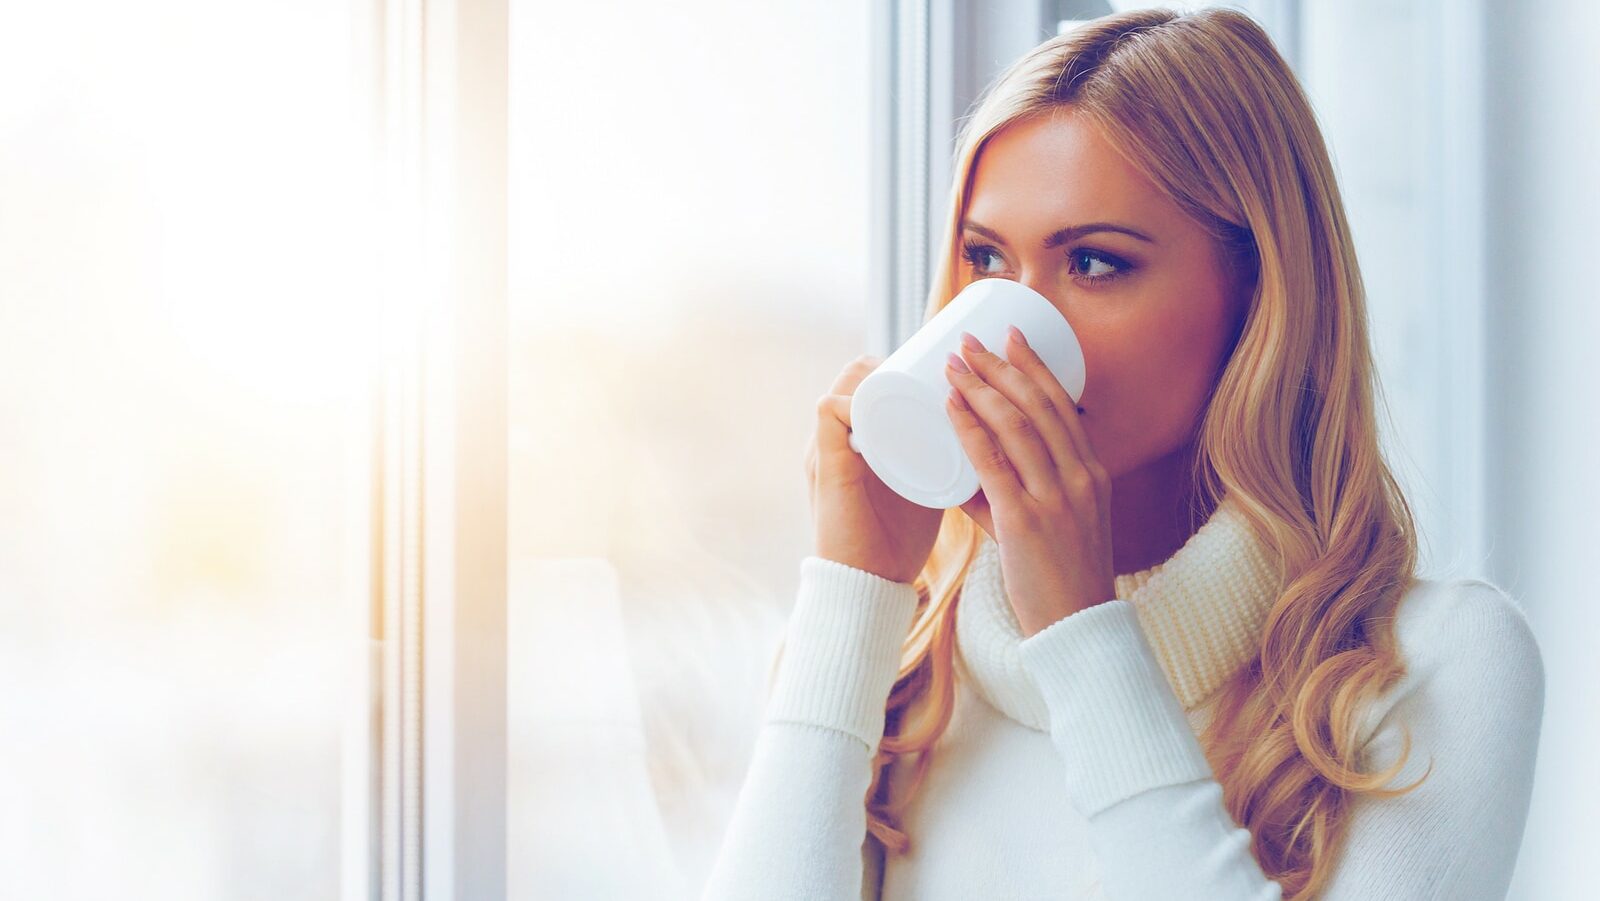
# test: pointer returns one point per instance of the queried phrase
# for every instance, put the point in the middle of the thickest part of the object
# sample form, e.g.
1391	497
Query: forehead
1056	169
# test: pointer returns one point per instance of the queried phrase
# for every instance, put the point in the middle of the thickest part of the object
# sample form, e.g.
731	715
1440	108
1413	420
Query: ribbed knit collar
1201	609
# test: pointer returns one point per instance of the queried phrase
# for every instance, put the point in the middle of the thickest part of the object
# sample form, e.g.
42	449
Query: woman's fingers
833	422
853	373
995	469
833	413
1008	401
1065	409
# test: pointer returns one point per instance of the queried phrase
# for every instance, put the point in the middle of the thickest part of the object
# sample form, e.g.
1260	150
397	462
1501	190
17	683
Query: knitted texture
1201	610
1104	795
842	649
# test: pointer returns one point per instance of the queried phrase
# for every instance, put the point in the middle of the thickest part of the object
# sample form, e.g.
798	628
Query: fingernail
1016	335
958	364
971	341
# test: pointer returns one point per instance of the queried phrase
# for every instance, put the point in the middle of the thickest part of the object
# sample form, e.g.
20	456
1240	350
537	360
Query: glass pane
178	388
689	267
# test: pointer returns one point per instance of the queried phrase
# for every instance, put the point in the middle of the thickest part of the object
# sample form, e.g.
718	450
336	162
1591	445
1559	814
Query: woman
1175	647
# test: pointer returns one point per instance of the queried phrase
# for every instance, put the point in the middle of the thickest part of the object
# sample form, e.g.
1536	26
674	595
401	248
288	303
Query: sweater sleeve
799	822
1471	700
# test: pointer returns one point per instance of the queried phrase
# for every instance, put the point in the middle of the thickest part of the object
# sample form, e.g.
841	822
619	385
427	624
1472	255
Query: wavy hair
1204	106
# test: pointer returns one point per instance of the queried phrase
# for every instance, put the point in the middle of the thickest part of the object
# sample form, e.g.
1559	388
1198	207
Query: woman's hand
1045	497
860	521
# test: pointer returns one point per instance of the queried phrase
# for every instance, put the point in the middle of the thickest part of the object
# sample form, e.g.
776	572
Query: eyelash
971	251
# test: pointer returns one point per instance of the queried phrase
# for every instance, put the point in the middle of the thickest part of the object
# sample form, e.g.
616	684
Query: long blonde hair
1204	106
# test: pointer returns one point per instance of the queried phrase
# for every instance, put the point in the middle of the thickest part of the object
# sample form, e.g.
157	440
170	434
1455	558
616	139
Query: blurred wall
1544	141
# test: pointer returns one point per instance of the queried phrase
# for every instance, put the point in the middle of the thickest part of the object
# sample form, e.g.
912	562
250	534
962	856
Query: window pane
689	232
178	378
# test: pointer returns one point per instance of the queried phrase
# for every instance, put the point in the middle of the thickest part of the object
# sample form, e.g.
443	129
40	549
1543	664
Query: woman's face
1154	309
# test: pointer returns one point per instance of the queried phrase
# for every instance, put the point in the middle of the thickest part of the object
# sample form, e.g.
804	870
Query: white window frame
425	804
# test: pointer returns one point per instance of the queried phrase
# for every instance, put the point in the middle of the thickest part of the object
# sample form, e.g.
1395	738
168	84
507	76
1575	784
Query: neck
1151	515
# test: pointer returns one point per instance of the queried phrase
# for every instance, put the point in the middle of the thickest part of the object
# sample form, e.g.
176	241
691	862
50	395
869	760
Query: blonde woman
1176	646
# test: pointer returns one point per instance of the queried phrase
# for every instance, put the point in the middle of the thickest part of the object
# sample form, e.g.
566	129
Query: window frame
428	818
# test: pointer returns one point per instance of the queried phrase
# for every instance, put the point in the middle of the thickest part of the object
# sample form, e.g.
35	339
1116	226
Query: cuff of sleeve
1113	716
841	650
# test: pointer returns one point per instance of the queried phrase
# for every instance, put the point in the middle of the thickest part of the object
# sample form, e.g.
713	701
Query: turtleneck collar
1201	609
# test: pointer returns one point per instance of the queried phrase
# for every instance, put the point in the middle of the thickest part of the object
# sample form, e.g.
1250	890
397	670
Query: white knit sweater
1072	770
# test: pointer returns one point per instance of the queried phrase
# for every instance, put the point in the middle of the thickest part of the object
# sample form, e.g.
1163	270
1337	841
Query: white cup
897	414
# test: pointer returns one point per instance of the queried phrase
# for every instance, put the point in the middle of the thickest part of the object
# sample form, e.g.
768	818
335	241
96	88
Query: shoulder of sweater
1439	620
1463	641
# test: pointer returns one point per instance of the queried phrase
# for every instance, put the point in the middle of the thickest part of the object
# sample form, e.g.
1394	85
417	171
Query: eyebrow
1063	235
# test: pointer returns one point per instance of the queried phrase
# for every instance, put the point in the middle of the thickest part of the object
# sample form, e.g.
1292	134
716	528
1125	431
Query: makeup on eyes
973	253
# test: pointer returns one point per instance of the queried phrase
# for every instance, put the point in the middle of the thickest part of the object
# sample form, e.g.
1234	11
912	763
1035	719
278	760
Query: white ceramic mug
897	414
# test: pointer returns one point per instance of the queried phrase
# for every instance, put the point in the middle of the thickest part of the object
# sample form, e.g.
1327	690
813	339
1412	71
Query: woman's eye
1105	270
975	254
1084	264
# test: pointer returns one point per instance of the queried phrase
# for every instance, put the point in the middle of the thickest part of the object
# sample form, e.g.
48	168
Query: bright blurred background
183	350
188	299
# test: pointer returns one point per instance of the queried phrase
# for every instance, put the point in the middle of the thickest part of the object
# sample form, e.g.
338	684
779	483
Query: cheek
1148	380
